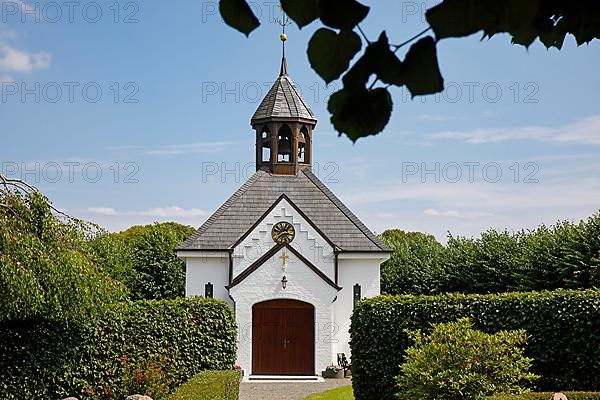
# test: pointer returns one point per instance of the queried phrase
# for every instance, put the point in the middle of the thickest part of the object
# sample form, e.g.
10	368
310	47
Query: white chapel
284	251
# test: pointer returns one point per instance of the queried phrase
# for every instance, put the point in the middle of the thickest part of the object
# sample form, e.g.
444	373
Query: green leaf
457	18
330	53
342	14
379	60
238	15
302	12
421	70
360	113
553	35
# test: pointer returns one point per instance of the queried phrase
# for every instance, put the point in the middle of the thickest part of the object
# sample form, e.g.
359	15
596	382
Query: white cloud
469	208
582	131
436	117
160	212
12	59
6	78
435	213
102	210
483	195
198	147
432	212
6	33
117	220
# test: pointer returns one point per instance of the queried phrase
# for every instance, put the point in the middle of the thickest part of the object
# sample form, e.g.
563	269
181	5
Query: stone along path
287	390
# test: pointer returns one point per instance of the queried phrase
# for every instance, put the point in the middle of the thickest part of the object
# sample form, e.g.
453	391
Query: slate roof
283	101
246	206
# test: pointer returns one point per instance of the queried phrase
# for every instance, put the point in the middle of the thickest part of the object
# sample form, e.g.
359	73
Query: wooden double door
283	338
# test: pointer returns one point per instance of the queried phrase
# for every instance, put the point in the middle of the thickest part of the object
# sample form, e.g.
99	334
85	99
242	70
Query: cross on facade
284	257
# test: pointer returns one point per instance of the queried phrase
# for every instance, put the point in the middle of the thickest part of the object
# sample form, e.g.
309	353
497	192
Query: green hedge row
547	396
210	385
564	329
50	361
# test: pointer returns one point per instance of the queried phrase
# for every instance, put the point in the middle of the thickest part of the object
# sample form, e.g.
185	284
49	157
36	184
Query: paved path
285	390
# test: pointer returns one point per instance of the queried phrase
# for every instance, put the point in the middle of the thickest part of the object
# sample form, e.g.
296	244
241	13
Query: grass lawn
341	393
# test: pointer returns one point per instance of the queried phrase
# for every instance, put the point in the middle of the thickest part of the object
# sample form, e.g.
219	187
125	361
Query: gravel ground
285	390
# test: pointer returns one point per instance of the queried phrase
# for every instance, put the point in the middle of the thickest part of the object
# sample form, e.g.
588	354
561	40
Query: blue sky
170	130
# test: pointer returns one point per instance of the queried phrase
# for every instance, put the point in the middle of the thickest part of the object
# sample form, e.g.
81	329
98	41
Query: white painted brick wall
365	272
307	242
304	285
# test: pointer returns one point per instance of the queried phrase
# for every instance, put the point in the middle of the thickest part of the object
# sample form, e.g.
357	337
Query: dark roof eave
339	251
263	120
265	257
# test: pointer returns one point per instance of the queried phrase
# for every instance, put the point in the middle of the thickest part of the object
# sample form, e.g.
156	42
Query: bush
147	376
546	396
210	385
100	360
565	255
457	362
563	328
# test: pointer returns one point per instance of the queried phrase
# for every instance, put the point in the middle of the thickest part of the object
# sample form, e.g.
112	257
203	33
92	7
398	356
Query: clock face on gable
283	232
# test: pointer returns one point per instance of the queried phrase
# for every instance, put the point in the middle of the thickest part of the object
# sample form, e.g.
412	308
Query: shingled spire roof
283	100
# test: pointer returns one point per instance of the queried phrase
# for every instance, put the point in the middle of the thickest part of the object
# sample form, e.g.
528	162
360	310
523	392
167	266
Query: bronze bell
285	145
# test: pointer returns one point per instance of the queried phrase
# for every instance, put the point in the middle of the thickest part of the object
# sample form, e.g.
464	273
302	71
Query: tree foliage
565	255
331	49
144	259
46	272
413	266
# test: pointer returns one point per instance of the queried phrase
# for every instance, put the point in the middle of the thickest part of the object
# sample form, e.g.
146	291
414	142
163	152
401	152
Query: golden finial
283	22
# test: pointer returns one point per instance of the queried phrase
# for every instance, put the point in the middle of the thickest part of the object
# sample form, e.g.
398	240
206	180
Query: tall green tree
414	266
144	259
46	272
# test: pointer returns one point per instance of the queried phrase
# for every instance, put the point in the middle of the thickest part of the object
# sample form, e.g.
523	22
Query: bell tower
283	124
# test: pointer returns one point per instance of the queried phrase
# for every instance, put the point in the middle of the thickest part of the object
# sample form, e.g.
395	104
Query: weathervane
283	22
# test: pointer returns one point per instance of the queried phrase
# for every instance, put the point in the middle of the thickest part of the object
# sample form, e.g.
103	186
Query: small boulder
138	397
558	396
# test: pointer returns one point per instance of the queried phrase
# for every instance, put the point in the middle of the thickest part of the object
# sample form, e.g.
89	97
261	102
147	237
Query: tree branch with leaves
361	108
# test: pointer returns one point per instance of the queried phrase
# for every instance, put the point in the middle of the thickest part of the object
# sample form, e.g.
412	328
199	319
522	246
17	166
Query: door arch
283	338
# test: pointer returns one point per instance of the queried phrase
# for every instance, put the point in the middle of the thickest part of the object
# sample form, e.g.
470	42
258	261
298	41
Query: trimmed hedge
210	385
51	361
546	396
564	330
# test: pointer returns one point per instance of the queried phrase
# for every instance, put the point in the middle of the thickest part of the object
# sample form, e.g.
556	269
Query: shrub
147	376
564	255
563	328
210	385
457	362
546	396
49	360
